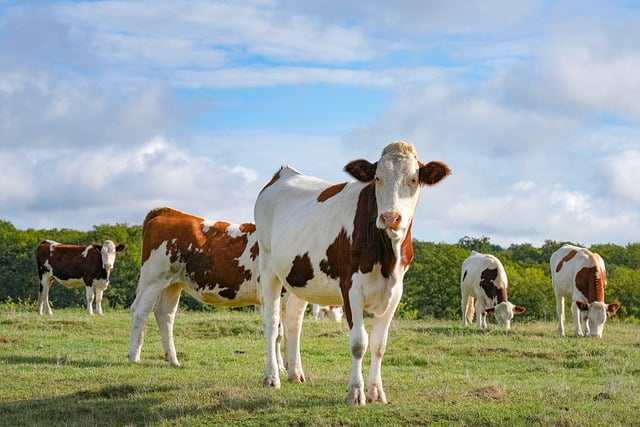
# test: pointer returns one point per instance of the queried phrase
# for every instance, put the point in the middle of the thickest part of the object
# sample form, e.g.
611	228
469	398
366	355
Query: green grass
72	370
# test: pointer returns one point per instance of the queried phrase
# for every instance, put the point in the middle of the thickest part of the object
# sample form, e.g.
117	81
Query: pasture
72	370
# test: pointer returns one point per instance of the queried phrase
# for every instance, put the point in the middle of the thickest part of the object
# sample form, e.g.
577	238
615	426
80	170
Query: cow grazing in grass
73	266
343	244
333	312
580	275
213	261
484	281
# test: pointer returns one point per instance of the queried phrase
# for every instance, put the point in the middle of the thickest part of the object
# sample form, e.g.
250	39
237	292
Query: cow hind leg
560	312
165	316
146	297
293	324
271	288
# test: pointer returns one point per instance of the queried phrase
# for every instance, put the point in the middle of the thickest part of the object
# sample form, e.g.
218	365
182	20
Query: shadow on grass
62	360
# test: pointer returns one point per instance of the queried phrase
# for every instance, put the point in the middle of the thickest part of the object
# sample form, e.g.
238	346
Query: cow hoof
376	394
296	378
271	382
356	397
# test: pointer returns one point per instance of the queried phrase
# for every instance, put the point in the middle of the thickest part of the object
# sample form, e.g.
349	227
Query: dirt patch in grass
489	392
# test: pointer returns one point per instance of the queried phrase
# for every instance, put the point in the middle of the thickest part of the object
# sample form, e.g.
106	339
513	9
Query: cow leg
89	291
466	307
293	324
146	296
165	313
99	292
481	314
271	289
379	335
560	311
358	344
43	296
575	314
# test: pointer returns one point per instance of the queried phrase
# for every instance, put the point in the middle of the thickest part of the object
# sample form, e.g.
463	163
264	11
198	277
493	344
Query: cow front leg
99	292
165	314
43	296
146	297
481	314
358	345
293	324
577	319
89	291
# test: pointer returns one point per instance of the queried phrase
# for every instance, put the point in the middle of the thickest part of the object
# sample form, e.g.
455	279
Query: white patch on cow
85	253
207	224
233	230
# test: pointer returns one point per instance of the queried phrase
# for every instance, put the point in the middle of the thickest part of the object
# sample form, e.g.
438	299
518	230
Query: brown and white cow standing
484	281
340	244
74	266
213	261
580	275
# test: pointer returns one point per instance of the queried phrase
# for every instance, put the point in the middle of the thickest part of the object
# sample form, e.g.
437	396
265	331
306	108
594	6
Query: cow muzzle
390	220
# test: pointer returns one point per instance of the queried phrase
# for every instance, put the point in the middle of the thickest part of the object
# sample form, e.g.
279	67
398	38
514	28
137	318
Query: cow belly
224	297
71	282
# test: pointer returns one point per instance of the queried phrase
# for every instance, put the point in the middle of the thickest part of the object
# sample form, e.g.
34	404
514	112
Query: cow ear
612	308
518	309
121	247
433	172
489	310
582	305
97	247
362	170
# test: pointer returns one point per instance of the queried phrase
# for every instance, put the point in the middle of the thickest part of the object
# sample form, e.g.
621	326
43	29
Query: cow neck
488	279
591	281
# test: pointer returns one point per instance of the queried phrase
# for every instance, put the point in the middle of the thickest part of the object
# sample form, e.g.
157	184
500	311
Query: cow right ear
97	247
583	306
362	170
489	310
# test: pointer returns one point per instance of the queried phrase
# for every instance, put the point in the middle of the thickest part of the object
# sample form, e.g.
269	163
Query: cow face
108	252
504	313
398	176
595	315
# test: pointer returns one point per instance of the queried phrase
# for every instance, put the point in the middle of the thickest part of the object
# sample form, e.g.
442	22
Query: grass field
72	370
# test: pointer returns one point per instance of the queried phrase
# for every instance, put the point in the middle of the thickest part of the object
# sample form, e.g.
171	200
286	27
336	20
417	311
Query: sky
109	109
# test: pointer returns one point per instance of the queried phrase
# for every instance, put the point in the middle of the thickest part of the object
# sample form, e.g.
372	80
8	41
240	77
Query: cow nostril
391	219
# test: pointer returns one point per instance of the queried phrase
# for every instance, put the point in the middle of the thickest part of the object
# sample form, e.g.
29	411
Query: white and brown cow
340	244
332	312
580	275
73	266
484	281
213	261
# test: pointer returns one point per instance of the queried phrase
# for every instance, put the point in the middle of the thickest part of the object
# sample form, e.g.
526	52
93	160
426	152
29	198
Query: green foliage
431	288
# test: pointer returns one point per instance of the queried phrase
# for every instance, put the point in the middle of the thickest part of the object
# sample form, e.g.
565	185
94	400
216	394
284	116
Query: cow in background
333	312
484	280
580	275
213	261
343	244
73	266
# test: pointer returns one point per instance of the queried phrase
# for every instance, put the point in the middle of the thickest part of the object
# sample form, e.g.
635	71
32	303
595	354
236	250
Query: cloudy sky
111	108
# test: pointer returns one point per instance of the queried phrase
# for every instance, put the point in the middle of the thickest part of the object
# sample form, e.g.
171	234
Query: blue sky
111	108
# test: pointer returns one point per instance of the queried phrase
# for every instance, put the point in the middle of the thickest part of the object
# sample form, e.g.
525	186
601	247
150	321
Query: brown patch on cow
247	227
337	263
566	258
330	192
488	284
406	249
210	259
433	172
590	281
67	262
274	178
301	271
254	251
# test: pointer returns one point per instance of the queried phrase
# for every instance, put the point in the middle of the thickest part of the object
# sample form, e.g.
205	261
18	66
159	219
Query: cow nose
391	219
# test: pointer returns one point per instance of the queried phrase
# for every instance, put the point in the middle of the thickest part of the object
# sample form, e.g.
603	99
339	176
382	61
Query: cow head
504	313
398	176
108	252
595	314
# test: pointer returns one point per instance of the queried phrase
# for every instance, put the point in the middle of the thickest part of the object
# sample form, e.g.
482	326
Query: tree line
431	286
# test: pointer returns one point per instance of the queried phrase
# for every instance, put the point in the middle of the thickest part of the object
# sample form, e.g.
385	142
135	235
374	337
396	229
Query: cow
343	244
580	275
333	312
484	280
213	261
74	266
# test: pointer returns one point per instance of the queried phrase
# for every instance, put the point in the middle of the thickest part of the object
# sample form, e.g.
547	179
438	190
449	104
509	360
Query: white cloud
622	174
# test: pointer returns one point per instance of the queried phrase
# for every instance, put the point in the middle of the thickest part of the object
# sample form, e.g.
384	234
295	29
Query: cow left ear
489	310
362	170
583	306
612	308
121	247
518	309
97	247
433	172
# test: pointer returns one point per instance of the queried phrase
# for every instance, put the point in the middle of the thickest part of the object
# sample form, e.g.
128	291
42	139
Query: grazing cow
74	266
579	274
213	261
484	280
333	312
343	244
